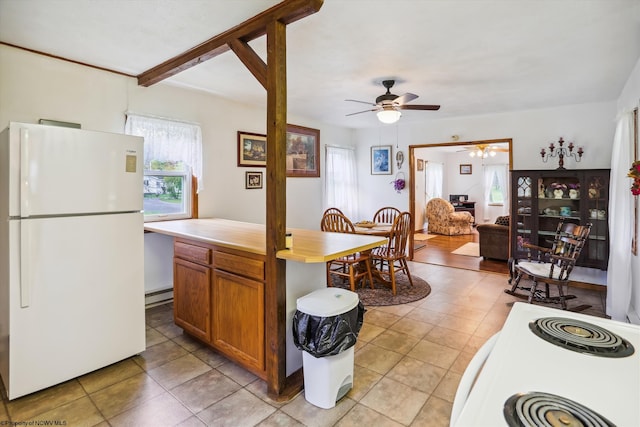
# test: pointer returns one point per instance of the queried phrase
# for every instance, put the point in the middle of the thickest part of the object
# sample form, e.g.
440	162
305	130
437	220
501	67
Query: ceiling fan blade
360	112
418	107
403	99
362	102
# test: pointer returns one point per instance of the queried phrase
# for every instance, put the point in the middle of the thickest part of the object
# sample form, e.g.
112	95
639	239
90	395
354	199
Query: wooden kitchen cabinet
192	286
219	299
238	318
541	198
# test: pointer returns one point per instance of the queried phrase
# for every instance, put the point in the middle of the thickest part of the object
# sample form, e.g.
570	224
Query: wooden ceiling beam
251	60
286	12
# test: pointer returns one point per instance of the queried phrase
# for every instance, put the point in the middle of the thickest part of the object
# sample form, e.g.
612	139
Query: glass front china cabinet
540	198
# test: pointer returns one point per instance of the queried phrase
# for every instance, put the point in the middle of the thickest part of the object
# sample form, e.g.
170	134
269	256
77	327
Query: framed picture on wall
381	160
253	180
420	165
465	169
252	149
303	151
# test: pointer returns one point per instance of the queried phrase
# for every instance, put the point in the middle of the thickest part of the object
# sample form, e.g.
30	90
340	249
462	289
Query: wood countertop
309	246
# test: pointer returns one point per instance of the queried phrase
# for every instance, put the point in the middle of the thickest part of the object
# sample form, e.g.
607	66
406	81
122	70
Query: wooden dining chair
393	256
386	215
355	267
551	266
332	210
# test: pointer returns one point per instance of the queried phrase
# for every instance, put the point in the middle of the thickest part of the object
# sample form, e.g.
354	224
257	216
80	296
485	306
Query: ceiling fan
388	105
484	150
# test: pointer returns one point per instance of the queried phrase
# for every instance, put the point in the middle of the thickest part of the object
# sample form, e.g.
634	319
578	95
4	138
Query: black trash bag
327	336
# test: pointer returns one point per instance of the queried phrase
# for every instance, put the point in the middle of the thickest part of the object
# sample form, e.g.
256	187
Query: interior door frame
412	172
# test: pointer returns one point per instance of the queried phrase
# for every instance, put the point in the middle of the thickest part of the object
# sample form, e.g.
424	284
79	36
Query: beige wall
34	87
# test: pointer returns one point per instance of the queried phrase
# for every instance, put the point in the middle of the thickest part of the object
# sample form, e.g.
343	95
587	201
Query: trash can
325	327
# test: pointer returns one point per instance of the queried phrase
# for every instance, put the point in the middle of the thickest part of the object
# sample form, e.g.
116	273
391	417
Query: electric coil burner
544	409
581	337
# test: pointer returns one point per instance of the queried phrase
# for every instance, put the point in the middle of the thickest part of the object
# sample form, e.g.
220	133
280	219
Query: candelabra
561	152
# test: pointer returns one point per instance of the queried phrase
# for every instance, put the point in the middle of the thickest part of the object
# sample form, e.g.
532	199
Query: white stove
523	363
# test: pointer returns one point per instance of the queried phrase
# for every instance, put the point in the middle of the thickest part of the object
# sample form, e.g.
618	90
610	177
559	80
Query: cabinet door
596	197
558	200
524	223
191	296
238	319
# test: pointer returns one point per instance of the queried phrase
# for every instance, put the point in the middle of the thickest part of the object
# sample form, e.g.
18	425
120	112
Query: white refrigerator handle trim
24	172
25	276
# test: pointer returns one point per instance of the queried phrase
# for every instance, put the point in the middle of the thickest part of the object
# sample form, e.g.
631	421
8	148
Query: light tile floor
408	362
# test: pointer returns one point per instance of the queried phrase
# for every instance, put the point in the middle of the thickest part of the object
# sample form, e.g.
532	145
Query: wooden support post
276	219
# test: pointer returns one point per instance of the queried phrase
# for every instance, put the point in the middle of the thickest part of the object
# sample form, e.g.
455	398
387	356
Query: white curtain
341	182
620	221
500	173
168	140
434	176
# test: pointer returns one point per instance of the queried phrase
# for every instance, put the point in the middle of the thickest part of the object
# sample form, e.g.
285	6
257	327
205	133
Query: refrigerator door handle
24	172
25	276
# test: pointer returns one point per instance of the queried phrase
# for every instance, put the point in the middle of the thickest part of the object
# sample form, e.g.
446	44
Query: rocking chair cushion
540	269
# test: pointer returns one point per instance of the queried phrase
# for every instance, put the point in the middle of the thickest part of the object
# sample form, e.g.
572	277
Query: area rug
468	249
422	236
381	294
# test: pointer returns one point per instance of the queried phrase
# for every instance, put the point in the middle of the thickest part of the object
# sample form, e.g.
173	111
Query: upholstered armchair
494	239
443	219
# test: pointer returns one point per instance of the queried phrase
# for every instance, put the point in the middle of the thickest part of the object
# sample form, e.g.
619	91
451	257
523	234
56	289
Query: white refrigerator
71	254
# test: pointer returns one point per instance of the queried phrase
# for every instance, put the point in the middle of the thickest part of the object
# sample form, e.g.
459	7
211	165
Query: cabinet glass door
523	223
596	198
558	200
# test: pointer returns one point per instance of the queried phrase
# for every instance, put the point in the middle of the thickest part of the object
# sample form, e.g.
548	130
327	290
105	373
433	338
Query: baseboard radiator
158	297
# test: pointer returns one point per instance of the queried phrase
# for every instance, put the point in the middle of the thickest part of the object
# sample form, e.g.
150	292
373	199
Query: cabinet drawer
192	252
247	267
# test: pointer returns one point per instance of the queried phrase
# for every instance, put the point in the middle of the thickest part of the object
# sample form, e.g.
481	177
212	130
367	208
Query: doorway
443	243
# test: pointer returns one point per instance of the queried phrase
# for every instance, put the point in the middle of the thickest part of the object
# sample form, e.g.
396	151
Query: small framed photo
420	165
253	180
465	169
381	160
303	151
252	149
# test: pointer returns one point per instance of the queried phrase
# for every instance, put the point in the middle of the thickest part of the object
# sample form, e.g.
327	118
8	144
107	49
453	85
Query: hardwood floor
437	250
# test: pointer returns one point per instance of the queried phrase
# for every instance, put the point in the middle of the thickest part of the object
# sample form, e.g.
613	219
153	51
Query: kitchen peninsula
219	281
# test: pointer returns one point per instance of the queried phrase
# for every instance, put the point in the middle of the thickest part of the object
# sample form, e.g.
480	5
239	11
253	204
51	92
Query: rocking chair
551	266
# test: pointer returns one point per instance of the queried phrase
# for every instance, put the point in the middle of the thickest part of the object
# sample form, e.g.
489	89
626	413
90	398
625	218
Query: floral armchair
442	219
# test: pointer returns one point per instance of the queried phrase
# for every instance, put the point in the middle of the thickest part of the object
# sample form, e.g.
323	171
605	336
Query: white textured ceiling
470	56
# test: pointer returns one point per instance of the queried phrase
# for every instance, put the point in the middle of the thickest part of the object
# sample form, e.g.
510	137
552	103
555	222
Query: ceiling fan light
492	153
472	153
388	116
479	153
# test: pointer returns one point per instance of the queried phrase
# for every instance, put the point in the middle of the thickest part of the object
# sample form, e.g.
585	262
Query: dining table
372	229
383	230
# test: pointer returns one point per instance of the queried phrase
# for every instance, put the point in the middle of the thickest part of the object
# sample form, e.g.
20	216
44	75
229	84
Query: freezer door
63	171
76	297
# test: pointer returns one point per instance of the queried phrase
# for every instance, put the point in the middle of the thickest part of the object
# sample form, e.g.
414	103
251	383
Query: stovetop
522	362
545	409
583	337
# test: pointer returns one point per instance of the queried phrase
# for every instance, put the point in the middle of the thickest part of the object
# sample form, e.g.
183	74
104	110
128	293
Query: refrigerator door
63	171
76	297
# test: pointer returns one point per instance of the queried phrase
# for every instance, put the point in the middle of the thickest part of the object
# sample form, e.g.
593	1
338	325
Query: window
172	154
167	194
340	180
496	190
